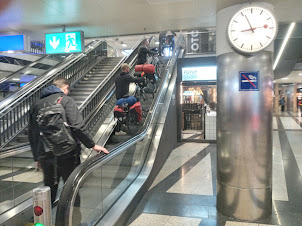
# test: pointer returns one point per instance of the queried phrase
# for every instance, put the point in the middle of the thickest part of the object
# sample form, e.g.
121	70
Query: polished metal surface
244	137
41	198
244	204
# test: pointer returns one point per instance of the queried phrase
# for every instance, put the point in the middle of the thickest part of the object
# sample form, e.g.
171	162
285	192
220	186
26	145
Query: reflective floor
184	191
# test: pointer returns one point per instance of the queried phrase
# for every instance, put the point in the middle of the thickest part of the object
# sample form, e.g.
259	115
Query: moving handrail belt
71	188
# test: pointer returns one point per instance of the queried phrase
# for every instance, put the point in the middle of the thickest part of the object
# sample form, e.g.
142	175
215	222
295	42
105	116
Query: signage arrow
54	43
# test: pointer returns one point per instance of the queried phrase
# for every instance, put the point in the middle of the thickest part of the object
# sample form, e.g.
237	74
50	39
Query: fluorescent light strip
290	30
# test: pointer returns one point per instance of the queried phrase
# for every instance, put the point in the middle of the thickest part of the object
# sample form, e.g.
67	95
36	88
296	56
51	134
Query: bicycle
128	116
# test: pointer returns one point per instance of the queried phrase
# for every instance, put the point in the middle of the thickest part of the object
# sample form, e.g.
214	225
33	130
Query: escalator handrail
113	71
74	181
16	97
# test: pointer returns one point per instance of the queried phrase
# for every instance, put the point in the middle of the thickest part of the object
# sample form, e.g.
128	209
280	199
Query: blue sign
13	43
249	80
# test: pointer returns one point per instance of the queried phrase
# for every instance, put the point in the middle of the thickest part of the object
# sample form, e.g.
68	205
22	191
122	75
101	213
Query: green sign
64	42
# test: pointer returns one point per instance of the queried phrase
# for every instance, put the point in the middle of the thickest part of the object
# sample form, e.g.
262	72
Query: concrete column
244	127
277	98
295	99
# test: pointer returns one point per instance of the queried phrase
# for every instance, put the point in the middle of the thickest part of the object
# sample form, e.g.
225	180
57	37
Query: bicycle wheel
133	126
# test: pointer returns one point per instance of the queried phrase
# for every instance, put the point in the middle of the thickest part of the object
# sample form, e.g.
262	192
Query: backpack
54	129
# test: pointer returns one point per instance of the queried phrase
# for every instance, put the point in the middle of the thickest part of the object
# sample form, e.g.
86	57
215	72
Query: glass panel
89	202
27	74
6	185
118	173
25	176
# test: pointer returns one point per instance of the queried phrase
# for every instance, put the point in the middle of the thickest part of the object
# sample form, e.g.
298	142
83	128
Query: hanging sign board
64	42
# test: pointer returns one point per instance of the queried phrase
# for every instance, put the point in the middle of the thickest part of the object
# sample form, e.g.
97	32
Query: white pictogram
54	43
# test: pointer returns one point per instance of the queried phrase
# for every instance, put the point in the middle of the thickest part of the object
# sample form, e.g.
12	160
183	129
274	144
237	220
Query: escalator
107	184
84	88
97	103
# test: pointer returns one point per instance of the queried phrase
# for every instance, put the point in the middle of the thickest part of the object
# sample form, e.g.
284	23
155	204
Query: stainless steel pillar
244	130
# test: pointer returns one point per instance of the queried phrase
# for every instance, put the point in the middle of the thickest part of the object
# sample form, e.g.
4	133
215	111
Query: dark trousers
64	168
282	107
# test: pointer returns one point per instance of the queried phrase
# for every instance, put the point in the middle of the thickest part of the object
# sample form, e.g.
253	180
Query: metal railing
37	47
14	110
65	210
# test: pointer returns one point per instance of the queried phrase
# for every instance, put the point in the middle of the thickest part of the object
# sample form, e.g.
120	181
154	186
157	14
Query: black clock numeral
235	21
261	12
271	27
242	14
251	47
261	44
235	39
242	45
251	10
268	18
233	30
268	37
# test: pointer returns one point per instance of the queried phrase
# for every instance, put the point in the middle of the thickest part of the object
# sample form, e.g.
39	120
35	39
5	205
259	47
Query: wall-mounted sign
199	73
249	81
194	42
14	43
64	42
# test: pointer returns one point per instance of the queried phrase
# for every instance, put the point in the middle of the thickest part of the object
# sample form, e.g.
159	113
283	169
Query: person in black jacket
143	51
62	166
123	80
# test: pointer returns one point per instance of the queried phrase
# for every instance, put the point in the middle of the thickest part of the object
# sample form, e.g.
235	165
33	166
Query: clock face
252	29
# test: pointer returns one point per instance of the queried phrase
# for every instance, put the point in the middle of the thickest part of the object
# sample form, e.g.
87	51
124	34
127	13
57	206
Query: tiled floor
184	191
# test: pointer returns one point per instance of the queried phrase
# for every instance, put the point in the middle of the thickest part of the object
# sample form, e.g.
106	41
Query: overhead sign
249	81
199	73
14	43
64	42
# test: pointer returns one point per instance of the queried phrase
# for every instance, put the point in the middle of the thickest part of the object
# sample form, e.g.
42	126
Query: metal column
244	130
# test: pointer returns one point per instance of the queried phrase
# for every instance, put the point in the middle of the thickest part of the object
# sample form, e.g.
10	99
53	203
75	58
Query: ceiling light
10	51
300	74
290	30
156	43
15	79
284	78
124	44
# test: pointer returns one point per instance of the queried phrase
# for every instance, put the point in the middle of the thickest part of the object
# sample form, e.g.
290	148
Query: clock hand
265	26
249	23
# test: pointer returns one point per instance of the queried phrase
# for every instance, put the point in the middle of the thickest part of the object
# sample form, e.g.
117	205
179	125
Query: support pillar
295	99
244	127
277	98
285	97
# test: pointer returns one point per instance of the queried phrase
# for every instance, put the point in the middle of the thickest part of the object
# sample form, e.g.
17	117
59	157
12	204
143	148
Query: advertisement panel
199	73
